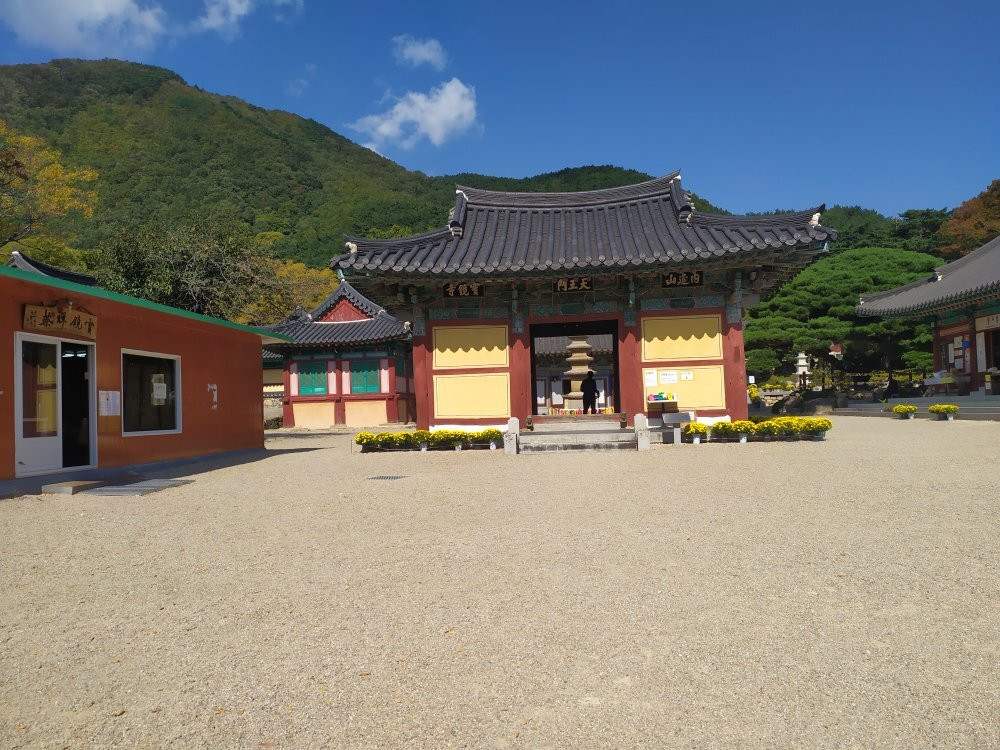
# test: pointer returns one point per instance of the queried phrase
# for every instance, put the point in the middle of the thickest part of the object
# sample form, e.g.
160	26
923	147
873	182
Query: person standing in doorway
589	389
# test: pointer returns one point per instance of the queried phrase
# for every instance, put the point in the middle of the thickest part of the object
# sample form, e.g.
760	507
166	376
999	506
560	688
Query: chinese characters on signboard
573	284
682	278
60	319
464	289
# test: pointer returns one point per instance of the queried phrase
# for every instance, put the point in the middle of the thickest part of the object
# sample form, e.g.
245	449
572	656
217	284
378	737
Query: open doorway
548	363
54	405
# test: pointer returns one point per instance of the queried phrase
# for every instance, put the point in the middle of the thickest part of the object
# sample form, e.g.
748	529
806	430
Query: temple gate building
638	267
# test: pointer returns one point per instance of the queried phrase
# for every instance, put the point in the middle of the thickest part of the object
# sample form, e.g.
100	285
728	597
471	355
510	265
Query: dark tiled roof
305	330
19	260
602	343
345	291
652	224
973	276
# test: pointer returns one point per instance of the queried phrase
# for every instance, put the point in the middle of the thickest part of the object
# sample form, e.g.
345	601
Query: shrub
942	409
695	428
904	409
722	429
449	438
393	439
766	428
816	425
787	426
421	436
743	427
489	435
754	393
365	439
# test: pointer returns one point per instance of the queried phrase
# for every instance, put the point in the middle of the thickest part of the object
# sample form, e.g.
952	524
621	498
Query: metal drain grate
387	477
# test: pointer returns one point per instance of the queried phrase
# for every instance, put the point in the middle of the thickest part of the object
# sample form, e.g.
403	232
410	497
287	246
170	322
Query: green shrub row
439	439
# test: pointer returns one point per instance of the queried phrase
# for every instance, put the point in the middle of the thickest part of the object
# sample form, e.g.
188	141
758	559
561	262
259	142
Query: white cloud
102	28
445	111
419	51
223	17
88	27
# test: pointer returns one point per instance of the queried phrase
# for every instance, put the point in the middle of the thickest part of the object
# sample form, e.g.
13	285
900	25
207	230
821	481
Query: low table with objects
666	418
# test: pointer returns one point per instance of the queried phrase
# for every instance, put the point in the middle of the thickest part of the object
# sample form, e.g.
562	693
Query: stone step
572	436
545	447
576	428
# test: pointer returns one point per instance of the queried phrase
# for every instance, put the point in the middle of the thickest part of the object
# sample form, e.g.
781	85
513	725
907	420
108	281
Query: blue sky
890	105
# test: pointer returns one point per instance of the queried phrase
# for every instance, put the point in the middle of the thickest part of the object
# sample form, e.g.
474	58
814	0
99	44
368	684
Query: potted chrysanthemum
904	411
944	411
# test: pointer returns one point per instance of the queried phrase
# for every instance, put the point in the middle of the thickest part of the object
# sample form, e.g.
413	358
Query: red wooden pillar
630	391
520	376
422	382
392	402
287	414
735	371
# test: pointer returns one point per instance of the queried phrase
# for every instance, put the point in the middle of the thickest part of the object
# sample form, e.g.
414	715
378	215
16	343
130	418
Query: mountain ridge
170	151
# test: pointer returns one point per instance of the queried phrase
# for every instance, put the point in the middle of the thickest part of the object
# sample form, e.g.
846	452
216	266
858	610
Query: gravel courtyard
825	595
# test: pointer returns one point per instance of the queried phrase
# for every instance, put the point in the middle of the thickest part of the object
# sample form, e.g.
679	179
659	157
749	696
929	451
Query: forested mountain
164	181
169	152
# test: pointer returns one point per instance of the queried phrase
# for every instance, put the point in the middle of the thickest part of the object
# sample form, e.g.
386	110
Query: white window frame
178	402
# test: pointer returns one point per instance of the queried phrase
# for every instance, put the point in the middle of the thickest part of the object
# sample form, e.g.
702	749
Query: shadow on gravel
130	474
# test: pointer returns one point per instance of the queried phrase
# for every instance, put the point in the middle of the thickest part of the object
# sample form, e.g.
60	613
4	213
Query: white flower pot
493	445
950	417
696	439
743	437
423	447
458	446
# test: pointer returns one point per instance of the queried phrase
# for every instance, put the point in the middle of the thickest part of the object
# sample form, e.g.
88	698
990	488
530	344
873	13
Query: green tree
215	267
973	224
36	190
817	308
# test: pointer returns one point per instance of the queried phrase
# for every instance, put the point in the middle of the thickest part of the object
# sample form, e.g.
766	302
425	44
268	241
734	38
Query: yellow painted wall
682	337
473	395
313	415
470	346
364	413
707	389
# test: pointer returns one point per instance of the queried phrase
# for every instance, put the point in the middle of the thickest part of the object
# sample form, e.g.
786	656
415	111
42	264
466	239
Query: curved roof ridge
786	218
959	263
364	243
635	191
344	290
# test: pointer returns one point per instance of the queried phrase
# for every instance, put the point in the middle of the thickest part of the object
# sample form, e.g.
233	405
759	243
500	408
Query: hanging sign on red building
676	279
573	284
464	289
60	319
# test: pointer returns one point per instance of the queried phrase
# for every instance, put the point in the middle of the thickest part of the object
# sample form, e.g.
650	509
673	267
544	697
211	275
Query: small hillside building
345	362
961	301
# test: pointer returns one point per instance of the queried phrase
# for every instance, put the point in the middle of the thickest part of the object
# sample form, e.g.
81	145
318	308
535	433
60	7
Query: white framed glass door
54	405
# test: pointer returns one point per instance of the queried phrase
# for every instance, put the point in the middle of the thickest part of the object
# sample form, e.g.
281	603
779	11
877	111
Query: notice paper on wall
109	403
649	377
687	375
668	376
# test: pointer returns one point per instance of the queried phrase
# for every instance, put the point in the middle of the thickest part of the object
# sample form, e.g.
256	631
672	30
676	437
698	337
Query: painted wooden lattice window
364	376
312	378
